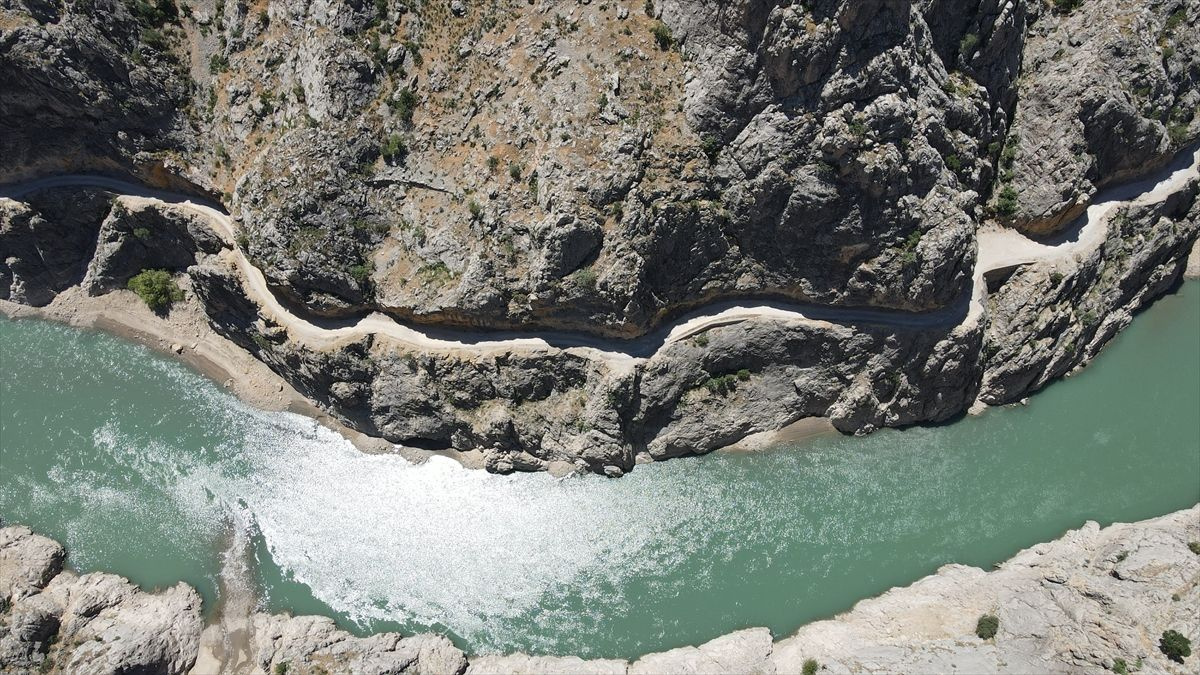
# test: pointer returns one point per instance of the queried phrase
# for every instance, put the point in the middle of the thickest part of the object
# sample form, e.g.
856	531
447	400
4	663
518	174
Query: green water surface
142	467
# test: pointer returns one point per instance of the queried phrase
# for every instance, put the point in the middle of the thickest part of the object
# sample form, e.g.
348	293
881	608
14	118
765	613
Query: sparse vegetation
156	288
394	149
475	209
361	273
155	13
662	36
1006	203
218	64
908	251
721	385
281	668
967	45
1177	17
1066	6
1178	133
987	626
1175	645
403	104
584	277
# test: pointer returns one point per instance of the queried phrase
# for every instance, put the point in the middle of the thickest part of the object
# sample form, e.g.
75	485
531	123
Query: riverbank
1075	604
185	333
727	372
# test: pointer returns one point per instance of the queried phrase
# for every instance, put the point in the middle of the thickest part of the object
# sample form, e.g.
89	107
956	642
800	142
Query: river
140	466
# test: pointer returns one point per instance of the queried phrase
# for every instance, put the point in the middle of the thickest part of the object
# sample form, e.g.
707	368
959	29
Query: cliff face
1076	604
602	168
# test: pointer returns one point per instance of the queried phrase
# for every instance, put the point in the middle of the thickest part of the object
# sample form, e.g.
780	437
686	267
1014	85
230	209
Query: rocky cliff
1078	604
596	170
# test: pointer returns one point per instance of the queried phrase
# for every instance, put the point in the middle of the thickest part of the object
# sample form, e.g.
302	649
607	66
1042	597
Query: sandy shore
184	333
796	432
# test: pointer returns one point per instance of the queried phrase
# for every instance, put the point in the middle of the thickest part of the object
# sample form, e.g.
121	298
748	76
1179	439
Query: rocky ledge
601	168
1081	604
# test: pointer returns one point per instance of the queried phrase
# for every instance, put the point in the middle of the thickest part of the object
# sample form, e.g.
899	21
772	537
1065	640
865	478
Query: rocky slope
1076	604
602	167
599	165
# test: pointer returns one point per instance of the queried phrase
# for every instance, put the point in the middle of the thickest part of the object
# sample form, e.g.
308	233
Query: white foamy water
378	538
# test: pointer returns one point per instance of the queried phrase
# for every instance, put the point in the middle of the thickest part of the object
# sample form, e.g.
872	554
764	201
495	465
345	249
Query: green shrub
662	36
281	668
218	64
987	626
585	277
1066	6
721	385
1194	547
141	233
1006	204
475	209
154	39
810	667
711	145
403	104
514	171
743	375
1177	17
361	273
1120	666
1175	645
968	44
700	340
156	288
1178	133
953	163
154	14
1008	155
394	149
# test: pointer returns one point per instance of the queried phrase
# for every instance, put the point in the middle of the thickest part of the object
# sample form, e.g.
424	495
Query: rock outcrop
56	621
308	643
1109	87
599	169
1079	604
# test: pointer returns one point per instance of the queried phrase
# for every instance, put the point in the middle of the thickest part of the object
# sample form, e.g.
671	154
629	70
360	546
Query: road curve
998	248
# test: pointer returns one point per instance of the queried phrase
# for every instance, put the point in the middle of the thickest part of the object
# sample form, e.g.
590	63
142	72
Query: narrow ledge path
998	248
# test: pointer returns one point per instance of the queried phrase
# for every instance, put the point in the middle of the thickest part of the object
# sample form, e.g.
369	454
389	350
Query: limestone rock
95	623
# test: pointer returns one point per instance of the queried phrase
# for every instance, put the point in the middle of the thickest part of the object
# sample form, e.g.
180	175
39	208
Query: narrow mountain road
998	248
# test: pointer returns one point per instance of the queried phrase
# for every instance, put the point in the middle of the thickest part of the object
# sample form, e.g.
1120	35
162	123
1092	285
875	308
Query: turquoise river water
140	466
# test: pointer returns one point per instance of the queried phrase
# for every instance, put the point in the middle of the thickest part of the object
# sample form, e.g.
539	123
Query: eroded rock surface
1075	604
601	168
57	621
